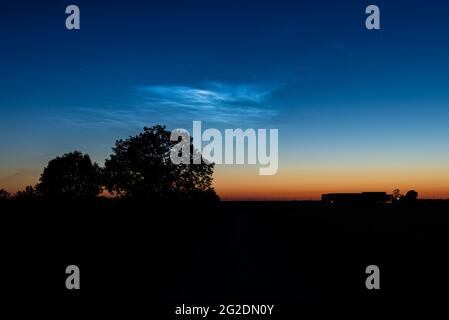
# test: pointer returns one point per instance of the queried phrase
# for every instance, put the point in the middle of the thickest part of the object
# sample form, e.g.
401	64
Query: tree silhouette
29	193
4	194
411	195
396	194
72	175
140	167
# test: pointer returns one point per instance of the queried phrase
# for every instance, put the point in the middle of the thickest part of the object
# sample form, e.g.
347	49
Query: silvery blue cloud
215	103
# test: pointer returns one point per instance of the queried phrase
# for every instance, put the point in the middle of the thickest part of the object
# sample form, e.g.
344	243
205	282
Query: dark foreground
298	256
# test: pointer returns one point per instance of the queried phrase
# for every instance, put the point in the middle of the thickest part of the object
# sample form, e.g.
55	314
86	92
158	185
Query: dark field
297	255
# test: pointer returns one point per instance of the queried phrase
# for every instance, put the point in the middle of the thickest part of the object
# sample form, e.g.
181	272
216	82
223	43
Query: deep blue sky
340	95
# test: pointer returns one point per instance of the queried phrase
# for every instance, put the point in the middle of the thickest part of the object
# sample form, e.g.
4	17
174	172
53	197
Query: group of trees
139	168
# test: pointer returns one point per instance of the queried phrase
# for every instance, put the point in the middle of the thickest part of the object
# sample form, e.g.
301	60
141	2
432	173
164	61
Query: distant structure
356	198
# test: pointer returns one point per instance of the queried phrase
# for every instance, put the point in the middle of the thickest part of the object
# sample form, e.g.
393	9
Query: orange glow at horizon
302	184
307	183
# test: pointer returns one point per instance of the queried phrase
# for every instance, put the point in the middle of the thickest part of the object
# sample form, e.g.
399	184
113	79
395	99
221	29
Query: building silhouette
356	198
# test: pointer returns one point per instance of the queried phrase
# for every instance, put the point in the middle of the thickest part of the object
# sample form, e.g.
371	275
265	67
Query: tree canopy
140	167
72	175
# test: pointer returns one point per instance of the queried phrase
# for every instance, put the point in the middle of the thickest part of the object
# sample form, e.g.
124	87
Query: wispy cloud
212	94
216	103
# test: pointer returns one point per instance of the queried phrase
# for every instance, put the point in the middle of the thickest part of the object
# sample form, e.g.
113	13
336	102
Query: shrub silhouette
140	167
28	194
72	175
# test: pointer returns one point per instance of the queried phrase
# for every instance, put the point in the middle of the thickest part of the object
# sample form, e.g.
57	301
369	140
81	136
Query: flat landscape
290	254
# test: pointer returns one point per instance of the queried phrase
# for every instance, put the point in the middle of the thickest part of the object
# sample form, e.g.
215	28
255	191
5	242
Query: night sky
357	110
